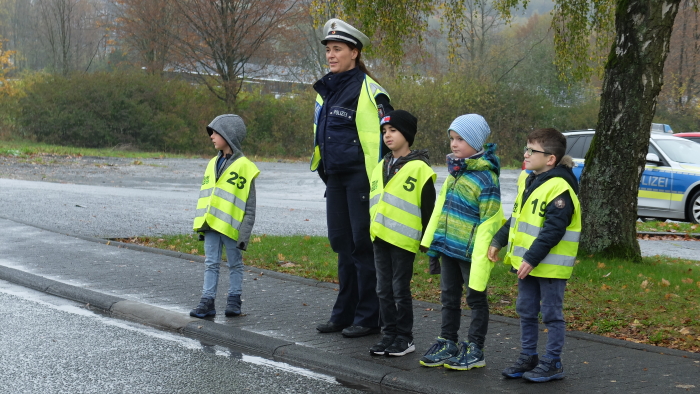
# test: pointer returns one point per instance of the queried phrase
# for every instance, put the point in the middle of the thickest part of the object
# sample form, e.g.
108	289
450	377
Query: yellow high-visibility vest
367	123
221	204
526	224
395	208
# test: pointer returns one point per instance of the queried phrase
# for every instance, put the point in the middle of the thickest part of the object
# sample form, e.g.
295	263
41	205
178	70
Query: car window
574	146
680	150
587	145
654	150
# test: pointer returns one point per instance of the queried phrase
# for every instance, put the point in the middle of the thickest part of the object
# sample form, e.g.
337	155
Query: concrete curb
339	365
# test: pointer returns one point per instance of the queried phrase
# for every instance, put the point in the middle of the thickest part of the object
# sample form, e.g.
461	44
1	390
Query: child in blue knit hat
466	216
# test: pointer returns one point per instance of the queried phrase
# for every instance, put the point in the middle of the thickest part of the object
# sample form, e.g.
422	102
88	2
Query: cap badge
333	25
333	32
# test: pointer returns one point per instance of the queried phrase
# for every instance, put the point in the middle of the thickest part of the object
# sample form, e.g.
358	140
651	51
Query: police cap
337	30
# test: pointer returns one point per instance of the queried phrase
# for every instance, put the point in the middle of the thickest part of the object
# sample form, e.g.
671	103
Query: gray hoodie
232	129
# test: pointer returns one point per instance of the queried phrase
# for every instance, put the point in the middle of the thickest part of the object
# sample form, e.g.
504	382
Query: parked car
670	184
695	137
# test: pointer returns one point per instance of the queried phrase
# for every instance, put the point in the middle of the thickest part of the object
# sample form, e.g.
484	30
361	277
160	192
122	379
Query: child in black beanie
402	197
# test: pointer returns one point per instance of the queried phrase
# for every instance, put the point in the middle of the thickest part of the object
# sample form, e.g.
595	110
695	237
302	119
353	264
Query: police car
670	185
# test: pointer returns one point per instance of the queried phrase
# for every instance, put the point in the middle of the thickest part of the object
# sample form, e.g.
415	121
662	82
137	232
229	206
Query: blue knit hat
472	128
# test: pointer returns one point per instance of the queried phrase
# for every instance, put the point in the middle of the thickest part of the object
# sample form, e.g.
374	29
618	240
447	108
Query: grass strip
28	149
655	302
680	228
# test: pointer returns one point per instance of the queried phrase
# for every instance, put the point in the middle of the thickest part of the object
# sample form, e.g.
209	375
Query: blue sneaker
441	350
548	369
204	309
526	362
469	356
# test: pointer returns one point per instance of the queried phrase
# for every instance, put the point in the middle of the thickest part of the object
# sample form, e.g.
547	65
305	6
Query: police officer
347	147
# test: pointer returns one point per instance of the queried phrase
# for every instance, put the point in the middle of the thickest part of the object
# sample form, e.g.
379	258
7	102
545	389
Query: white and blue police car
670	185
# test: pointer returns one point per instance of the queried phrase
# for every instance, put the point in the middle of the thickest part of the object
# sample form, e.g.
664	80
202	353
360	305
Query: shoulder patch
559	203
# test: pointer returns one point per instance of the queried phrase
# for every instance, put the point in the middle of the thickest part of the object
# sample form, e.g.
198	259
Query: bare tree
221	38
149	28
72	31
681	71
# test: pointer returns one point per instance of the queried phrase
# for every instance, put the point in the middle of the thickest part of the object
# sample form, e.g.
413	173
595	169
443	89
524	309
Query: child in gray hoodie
225	212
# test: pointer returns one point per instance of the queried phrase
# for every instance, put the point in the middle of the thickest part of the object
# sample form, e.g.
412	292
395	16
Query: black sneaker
233	305
401	347
378	349
525	362
548	369
204	309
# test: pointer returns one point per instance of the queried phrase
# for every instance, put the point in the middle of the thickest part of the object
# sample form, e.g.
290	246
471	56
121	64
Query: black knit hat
402	121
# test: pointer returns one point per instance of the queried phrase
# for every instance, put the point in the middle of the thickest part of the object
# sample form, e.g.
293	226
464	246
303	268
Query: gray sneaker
469	356
441	350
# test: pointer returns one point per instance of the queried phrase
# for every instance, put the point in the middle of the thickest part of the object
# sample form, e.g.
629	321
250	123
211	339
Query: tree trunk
616	159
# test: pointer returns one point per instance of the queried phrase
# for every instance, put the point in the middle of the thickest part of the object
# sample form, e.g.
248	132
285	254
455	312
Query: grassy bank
679	228
656	302
28	149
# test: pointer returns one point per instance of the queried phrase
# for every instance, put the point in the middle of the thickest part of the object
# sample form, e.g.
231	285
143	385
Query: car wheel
693	211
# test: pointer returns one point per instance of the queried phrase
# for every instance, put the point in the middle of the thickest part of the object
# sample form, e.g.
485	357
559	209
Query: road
51	345
114	198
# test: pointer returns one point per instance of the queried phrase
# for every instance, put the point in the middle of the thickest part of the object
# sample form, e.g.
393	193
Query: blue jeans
394	273
455	274
213	242
544	295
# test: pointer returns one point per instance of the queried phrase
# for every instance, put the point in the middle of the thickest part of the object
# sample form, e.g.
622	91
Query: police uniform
347	147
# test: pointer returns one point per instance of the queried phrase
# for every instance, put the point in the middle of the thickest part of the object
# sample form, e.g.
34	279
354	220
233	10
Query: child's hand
493	253
524	270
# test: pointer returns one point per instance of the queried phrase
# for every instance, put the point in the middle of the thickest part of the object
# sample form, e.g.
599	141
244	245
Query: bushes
150	113
281	127
107	109
511	112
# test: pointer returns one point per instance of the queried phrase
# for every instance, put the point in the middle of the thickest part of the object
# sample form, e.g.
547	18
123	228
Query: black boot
204	309
233	305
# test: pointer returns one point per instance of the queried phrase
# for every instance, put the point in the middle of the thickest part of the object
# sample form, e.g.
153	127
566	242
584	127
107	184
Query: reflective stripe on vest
395	208
221	204
367	123
525	227
532	230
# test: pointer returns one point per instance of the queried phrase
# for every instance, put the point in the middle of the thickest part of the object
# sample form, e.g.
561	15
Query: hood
232	128
562	170
485	160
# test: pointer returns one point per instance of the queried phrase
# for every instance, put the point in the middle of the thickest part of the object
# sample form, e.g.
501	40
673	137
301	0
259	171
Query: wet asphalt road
51	345
114	198
121	198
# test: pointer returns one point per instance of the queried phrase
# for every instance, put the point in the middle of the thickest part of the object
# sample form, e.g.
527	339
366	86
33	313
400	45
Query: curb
174	321
355	370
